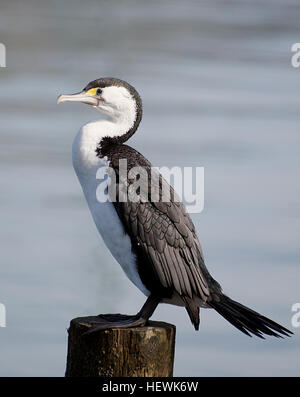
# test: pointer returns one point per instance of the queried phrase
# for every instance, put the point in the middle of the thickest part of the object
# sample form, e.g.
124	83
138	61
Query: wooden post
142	351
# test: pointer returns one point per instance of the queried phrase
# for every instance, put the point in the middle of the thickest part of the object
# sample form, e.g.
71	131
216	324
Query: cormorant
155	242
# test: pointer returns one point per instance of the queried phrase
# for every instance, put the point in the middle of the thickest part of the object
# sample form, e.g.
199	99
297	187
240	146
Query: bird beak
79	97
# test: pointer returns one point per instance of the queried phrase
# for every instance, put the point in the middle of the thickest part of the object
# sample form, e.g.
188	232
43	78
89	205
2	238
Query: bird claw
110	321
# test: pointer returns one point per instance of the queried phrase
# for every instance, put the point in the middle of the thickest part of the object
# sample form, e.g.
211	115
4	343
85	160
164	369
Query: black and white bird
155	242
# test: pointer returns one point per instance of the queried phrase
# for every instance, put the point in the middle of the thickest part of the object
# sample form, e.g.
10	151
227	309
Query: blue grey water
219	92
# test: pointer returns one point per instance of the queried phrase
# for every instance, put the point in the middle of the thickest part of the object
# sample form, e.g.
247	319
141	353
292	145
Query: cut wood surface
142	351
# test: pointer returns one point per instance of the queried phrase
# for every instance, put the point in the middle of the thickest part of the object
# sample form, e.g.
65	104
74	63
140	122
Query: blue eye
99	91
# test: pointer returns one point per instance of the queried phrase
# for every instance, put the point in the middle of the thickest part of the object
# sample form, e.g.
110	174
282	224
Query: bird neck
117	129
100	130
92	139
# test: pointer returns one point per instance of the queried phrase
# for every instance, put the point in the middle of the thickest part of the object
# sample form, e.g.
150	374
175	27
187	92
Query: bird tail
247	320
193	312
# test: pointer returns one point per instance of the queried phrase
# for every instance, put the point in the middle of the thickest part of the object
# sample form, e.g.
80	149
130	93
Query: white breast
109	225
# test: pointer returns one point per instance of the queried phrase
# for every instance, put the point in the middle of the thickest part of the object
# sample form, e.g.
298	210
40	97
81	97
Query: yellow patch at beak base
92	91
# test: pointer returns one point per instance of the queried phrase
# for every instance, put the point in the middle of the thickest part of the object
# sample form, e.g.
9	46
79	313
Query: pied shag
155	242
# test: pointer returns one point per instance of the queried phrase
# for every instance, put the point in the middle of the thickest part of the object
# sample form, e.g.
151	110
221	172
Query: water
219	92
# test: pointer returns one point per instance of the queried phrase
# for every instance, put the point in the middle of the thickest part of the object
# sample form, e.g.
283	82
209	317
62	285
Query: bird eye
99	91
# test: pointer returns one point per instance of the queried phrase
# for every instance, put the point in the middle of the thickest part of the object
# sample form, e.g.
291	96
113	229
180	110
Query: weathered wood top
138	351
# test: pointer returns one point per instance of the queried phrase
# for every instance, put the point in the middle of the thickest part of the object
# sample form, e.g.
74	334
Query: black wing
170	258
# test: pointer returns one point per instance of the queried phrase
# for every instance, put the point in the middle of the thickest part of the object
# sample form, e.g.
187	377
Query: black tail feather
193	312
247	320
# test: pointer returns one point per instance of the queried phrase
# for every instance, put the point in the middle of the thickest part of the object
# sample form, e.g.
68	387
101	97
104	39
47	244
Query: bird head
113	97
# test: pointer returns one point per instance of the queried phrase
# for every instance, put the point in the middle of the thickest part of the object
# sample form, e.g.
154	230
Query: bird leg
109	321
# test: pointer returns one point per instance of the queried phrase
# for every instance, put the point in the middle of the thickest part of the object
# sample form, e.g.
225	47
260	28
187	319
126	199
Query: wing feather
164	238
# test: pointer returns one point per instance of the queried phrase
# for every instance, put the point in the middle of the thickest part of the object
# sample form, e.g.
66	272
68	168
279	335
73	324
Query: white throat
121	108
91	134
